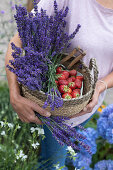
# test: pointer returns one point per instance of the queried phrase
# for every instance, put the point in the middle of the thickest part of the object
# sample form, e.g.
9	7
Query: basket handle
93	67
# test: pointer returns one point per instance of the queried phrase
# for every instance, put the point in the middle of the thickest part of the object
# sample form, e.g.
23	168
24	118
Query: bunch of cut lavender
64	133
44	39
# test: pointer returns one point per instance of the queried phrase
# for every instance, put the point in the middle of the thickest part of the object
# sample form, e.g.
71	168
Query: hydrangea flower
103	165
105	124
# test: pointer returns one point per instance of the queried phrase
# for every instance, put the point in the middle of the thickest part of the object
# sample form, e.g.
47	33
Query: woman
96	38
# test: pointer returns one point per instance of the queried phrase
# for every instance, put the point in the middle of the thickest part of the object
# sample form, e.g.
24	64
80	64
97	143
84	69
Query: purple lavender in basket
35	63
44	39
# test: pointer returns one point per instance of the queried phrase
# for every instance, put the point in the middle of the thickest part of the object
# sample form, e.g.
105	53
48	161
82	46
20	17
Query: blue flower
104	165
109	135
102	125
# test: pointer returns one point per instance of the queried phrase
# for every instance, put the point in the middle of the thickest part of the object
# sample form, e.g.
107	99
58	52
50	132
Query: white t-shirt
95	36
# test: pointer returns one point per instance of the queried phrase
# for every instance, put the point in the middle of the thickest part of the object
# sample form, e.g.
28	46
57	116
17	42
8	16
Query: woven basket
70	106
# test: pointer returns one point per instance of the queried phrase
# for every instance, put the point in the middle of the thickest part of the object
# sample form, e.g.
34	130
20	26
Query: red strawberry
63	82
75	94
76	90
72	72
72	85
73	78
67	96
66	73
63	88
80	77
61	76
69	80
78	83
59	69
69	90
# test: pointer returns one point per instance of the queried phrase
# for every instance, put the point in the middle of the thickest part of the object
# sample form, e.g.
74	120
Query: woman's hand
25	109
94	101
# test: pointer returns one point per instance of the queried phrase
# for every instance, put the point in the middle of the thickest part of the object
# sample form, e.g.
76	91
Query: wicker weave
70	106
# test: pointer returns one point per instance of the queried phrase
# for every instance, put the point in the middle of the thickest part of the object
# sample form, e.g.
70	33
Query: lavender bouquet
44	39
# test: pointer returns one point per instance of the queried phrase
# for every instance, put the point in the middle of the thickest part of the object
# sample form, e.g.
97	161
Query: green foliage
16	139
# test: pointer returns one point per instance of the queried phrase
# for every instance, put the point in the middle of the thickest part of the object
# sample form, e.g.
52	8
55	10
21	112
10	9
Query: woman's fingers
37	108
33	118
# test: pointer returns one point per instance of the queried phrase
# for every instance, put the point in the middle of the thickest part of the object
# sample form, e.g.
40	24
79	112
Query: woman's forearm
11	77
108	82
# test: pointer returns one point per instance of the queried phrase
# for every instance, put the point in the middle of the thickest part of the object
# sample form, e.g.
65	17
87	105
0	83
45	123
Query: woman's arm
100	87
24	107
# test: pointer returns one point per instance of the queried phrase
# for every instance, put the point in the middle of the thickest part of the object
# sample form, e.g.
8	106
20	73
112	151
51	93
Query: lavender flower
63	133
35	63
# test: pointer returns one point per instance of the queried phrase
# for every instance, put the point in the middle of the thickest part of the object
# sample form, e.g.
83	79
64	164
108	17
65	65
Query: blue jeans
52	152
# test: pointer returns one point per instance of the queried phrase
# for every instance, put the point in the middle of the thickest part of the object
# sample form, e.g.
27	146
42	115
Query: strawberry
69	80
63	88
78	83
59	69
67	96
66	73
72	72
73	78
69	90
72	85
75	94
60	76
76	90
63	82
80	77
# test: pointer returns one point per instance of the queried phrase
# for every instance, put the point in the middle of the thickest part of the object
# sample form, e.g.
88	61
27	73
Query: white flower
24	157
18	127
32	129
112	131
40	131
21	156
57	166
34	145
71	151
3	133
2	123
10	125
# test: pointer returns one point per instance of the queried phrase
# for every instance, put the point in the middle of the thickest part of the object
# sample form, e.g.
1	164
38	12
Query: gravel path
5	16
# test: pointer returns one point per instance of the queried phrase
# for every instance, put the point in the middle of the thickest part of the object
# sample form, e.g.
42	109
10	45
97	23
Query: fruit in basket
70	80
59	69
73	78
66	73
64	89
67	96
75	94
77	90
63	82
78	83
80	78
60	76
72	85
73	72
